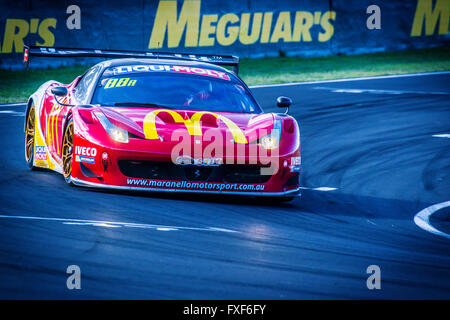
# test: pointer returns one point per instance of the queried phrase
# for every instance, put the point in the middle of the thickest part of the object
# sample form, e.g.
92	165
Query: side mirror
59	91
284	102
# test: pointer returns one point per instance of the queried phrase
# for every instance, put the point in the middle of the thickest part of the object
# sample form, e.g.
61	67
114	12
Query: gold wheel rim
67	150
29	137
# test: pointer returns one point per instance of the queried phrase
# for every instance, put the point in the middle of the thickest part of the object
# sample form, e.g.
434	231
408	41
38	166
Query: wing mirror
284	102
60	92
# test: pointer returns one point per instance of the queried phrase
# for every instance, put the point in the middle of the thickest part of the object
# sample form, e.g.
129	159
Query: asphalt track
372	140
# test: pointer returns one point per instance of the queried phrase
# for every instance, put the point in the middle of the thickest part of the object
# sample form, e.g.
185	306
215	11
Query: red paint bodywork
88	132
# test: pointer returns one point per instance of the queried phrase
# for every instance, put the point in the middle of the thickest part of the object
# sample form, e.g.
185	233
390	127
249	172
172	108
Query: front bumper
82	183
93	171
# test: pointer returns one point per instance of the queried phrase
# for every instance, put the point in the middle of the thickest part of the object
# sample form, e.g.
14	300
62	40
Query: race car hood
145	122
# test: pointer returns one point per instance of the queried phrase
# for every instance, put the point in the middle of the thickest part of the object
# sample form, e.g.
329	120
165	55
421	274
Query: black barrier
252	28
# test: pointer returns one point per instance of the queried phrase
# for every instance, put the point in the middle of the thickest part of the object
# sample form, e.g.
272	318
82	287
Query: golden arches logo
193	125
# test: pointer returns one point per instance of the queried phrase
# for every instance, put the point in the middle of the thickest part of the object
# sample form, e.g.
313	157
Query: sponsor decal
296	163
85	154
213	186
52	138
170	68
19	31
84	159
85	151
118	83
172	21
187	160
429	15
193	125
41	153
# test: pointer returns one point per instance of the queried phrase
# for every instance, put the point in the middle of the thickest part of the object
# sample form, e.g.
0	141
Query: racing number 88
119	82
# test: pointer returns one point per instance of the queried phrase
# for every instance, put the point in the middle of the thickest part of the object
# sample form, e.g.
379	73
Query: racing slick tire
67	152
30	127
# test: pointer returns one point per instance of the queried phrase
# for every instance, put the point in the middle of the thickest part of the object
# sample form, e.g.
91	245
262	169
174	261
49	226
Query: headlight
272	140
269	142
116	133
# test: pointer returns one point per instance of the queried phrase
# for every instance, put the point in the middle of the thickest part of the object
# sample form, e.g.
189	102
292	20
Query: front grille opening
293	181
159	170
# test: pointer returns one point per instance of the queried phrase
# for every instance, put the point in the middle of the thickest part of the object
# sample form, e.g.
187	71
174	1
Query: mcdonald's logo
193	125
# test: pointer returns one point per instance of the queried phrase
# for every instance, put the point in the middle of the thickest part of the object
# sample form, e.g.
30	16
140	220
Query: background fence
248	28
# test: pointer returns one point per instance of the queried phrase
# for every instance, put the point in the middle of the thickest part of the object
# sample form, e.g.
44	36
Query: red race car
161	122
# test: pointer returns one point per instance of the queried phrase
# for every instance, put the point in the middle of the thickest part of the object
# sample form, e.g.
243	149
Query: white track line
11	112
319	188
422	219
112	224
23	104
351	79
377	91
445	135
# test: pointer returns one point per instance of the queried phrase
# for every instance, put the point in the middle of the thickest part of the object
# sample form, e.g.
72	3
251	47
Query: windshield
176	87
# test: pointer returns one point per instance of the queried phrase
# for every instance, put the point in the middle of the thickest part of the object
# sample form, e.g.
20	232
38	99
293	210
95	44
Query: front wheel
29	137
67	152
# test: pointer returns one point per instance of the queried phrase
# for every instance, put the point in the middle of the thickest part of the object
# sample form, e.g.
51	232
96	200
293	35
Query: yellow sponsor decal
425	12
119	82
16	30
52	122
210	29
193	125
52	135
56	128
48	126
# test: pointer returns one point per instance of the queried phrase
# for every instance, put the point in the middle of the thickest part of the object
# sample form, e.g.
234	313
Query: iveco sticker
85	151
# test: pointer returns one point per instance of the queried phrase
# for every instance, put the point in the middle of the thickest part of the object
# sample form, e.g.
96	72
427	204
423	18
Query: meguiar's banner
247	28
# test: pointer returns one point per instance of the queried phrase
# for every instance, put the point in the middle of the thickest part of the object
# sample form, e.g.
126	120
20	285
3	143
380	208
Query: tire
67	152
30	128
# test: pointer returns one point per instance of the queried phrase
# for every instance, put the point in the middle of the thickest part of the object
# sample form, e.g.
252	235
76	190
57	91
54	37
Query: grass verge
16	86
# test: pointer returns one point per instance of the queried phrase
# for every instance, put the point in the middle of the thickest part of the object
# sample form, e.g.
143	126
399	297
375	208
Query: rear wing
33	51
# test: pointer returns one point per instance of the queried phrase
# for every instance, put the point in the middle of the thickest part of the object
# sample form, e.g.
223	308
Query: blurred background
280	41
